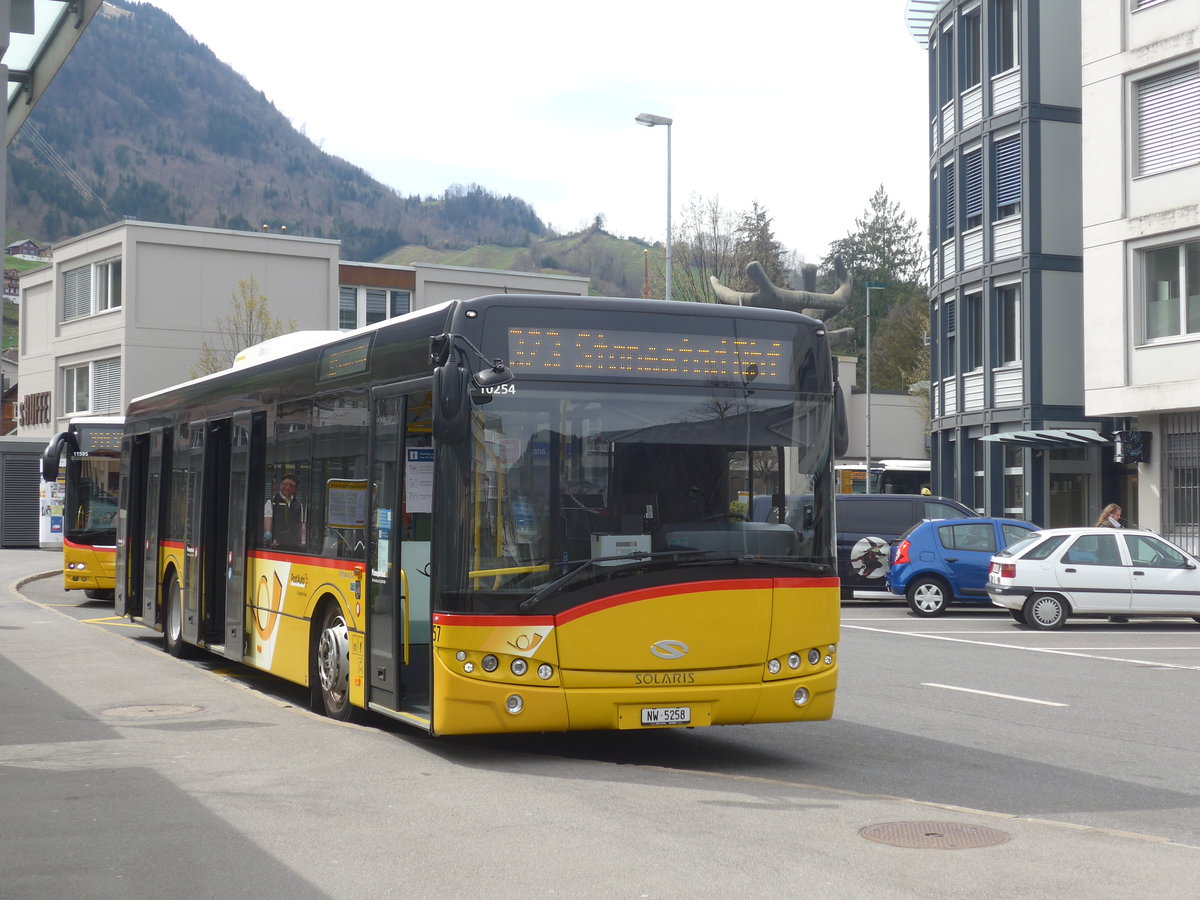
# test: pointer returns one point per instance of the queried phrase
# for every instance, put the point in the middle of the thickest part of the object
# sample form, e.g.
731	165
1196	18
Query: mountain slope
144	121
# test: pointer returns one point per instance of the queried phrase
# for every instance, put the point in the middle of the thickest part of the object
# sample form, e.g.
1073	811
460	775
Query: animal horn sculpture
809	303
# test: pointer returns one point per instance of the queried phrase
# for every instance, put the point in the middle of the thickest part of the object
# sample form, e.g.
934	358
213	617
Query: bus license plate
666	715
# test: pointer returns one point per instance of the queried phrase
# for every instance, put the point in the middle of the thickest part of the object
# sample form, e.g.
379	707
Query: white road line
940	637
950	687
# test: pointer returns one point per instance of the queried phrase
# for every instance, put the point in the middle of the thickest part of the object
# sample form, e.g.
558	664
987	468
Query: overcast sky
805	107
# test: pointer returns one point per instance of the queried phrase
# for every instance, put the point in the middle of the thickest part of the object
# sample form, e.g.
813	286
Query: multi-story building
1009	434
1141	244
126	309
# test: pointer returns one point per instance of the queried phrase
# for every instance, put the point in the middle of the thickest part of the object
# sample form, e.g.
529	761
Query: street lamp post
650	120
871	286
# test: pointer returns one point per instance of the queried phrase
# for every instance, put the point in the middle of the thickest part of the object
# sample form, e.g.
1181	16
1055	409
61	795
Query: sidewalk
20	565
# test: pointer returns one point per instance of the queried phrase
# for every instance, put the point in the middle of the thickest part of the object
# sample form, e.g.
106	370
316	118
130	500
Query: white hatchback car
1061	572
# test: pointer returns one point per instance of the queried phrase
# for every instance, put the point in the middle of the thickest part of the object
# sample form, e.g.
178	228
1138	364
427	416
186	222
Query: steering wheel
726	515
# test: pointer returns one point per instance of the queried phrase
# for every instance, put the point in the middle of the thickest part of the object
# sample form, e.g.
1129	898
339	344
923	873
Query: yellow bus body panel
605	671
89	568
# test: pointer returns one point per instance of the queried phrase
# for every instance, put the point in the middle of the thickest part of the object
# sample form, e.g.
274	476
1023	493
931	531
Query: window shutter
106	386
347	307
376	305
948	199
1008	171
973	174
77	293
1168	120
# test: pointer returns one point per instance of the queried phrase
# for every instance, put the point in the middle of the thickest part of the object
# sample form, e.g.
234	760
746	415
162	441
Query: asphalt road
125	772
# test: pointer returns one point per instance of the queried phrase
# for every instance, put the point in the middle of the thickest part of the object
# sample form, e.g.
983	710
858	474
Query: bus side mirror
841	424
452	412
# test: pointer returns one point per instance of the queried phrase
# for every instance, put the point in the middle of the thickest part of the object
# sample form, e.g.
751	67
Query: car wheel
928	596
1045	611
1018	616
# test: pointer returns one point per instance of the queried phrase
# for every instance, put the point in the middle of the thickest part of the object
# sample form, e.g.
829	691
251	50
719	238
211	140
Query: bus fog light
814	656
833	648
773	667
460	655
469	667
514	703
829	660
793	660
545	671
489	663
800	698
519	667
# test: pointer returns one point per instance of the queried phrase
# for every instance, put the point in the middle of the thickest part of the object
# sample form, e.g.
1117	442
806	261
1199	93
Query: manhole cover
153	711
933	835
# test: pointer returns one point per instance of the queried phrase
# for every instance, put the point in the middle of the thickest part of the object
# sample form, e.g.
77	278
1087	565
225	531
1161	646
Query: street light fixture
650	120
871	286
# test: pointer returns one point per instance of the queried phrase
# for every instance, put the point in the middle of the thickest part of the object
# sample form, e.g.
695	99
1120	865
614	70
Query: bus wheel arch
329	661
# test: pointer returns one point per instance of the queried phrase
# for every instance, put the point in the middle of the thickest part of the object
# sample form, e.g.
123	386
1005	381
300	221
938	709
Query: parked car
934	563
1065	572
867	524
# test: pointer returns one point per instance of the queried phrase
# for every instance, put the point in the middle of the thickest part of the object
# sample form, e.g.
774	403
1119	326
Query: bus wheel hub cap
333	657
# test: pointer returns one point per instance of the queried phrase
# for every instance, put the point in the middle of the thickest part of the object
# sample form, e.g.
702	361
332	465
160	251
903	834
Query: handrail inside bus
511	570
404	602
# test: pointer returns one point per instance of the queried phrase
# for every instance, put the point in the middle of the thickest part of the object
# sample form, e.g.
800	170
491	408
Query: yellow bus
512	513
85	460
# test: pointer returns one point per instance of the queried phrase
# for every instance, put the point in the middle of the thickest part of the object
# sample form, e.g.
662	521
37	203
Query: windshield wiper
583	565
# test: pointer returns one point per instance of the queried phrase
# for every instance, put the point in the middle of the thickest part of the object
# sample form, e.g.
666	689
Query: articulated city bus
90	448
513	513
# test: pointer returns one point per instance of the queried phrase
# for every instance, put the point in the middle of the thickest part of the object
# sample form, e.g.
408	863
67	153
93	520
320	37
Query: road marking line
939	637
950	687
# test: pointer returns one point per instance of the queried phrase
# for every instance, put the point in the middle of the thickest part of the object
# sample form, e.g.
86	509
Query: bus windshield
90	506
618	481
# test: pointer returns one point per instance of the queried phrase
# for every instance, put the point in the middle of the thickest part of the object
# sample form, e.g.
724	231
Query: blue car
934	563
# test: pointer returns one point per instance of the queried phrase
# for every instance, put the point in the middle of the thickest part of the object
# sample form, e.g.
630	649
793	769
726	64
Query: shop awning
1051	437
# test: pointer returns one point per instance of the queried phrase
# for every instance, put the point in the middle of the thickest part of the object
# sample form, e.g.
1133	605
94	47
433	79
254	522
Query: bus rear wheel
331	665
173	619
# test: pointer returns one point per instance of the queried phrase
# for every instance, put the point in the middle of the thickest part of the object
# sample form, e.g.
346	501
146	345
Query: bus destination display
610	353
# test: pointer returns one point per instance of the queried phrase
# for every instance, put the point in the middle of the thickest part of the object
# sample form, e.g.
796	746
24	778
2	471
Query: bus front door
398	625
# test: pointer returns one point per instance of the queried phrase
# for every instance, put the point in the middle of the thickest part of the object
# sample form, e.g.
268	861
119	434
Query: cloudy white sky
805	107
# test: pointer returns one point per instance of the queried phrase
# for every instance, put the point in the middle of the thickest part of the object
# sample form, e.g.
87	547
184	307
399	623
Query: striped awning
1051	437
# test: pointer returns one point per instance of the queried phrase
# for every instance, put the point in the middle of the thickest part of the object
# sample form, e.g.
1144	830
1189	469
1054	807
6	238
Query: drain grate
933	835
153	711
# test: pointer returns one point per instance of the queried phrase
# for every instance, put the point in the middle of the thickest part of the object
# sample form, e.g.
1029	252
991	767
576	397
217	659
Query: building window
93	387
975	318
108	285
1168	269
946	67
1008	302
1007	169
1014	482
90	289
972	63
347	308
1167	119
949	363
948	201
980	477
973	189
359	306
1181	479
1006	28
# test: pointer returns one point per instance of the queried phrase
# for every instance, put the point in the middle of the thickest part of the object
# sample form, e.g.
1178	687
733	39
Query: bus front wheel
331	665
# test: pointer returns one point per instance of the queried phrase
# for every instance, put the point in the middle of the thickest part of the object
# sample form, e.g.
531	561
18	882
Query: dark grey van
868	523
866	526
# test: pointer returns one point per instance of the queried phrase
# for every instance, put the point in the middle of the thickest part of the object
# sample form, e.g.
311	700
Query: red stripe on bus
99	548
615	600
